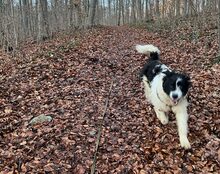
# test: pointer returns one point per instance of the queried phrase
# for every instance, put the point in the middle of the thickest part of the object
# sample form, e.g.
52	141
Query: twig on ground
100	129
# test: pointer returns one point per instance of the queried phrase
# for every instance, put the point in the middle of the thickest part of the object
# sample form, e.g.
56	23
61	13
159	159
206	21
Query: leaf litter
69	78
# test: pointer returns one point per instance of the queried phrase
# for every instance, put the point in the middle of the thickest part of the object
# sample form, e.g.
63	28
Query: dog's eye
173	86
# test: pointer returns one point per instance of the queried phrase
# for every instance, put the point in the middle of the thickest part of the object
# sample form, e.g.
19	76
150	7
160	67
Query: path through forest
68	78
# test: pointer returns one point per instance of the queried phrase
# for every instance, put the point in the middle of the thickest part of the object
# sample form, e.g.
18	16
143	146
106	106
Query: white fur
164	68
177	92
146	49
164	104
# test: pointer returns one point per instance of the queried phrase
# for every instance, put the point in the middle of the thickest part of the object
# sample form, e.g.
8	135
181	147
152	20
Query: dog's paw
161	116
184	142
164	120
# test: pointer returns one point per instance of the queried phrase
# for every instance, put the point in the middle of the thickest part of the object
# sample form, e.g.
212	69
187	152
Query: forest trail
69	78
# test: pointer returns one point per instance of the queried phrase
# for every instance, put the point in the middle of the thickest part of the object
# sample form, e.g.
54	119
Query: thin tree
133	12
25	5
219	25
158	8
15	38
43	25
119	7
146	9
109	9
186	7
77	5
1	23
92	12
139	10
177	8
127	11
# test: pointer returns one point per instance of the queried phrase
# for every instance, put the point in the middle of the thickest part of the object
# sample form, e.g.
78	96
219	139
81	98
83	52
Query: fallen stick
100	129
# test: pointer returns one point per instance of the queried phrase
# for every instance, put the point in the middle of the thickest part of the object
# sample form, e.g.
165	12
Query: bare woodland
70	94
40	19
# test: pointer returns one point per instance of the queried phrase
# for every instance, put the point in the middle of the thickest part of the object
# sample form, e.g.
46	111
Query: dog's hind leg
161	116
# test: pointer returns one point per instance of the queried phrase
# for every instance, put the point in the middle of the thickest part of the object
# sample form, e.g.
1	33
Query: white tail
146	49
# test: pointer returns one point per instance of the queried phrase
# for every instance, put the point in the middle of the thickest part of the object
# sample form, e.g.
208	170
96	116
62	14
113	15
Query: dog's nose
175	96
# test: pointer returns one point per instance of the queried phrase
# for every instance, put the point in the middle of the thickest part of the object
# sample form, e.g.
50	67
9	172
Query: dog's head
176	86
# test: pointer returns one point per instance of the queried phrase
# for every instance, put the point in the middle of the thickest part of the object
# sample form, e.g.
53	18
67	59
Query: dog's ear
168	74
166	77
157	69
187	79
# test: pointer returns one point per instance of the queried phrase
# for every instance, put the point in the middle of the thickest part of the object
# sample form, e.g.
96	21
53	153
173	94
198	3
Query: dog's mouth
175	101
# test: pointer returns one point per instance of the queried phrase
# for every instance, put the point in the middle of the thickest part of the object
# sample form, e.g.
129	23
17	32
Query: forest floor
68	78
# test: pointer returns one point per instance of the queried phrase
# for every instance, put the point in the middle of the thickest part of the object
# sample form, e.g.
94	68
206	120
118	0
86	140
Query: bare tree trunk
219	25
123	12
71	14
20	19
119	6
151	3
203	5
186	7
31	21
146	9
158	8
191	8
43	25
1	24
133	11
39	20
109	10
139	10
127	11
177	8
26	17
86	8
55	14
92	12
163	9
77	5
55	11
15	44
66	13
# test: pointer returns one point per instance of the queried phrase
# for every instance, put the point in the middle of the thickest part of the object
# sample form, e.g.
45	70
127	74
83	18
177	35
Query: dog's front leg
161	116
182	118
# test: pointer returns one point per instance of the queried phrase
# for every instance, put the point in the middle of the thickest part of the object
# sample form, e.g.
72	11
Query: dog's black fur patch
169	82
152	67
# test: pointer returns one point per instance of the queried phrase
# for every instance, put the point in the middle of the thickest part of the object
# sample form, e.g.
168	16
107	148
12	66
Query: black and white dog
166	90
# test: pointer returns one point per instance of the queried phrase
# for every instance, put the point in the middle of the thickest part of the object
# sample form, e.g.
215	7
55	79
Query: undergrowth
190	29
